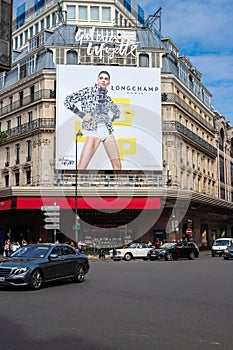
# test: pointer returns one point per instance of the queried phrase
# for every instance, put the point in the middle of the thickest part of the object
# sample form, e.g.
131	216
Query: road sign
52	226
52	213
50	208
52	219
189	231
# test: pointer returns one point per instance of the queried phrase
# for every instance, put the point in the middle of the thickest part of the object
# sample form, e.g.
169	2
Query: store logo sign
98	45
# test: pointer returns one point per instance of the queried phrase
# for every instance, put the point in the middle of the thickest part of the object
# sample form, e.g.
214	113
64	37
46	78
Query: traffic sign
52	219
52	213
50	208
189	231
52	226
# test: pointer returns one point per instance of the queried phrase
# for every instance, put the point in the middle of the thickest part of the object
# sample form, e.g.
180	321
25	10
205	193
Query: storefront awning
98	203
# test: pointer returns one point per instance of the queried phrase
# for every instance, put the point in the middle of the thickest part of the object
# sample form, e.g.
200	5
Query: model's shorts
100	133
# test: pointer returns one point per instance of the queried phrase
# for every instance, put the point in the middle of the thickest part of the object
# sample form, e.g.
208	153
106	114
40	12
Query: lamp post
76	223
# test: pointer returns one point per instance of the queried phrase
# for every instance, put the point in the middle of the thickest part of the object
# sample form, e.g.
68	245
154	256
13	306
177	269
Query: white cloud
202	29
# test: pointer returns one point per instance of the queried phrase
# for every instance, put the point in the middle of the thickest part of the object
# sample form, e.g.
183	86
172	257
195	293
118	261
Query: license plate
2	279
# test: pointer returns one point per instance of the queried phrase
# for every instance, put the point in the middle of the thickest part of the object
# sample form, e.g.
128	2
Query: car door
68	260
54	266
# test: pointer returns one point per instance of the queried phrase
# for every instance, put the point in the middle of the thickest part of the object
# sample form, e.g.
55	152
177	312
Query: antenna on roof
153	22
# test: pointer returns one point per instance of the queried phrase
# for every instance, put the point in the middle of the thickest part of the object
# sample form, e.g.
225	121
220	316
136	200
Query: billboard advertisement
5	34
108	118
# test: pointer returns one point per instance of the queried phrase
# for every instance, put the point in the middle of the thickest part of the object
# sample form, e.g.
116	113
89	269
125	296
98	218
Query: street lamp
76	223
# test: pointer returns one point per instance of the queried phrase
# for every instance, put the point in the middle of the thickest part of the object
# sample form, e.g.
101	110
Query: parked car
220	245
174	251
228	253
134	251
33	265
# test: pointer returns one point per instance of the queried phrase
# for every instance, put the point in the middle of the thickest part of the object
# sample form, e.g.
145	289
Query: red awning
119	203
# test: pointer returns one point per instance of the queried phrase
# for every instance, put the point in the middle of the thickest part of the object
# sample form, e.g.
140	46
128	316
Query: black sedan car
174	251
228	253
33	265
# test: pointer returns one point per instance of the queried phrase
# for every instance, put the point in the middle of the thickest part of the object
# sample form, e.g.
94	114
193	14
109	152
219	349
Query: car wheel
79	274
36	279
168	257
226	258
127	257
191	255
213	255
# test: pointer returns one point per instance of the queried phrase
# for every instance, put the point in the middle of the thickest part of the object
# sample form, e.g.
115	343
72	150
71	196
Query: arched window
221	140
71	57
144	60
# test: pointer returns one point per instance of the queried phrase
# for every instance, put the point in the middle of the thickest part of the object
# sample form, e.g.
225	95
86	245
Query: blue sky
203	30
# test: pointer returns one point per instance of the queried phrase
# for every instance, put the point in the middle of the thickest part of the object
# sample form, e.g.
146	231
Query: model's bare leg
90	146
112	151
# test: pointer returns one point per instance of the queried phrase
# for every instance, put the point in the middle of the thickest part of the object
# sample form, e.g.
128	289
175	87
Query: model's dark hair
104	72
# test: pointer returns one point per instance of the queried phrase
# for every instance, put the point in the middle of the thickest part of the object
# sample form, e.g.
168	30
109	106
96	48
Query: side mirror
53	256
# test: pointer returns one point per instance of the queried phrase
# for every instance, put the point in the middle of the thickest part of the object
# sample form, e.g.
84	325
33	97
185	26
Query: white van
220	245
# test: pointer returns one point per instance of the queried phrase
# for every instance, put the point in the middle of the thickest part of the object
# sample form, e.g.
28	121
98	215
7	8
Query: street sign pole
52	218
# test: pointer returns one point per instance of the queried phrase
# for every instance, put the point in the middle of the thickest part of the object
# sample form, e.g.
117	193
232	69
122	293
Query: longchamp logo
133	89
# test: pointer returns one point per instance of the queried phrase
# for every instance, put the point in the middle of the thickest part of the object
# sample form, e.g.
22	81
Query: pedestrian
98	112
102	254
7	248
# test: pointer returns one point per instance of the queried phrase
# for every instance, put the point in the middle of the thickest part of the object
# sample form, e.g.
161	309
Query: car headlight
19	271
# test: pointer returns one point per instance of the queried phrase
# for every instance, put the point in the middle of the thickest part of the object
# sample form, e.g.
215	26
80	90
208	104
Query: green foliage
3	136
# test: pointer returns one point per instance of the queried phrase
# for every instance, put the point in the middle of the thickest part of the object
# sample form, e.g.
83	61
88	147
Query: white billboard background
137	93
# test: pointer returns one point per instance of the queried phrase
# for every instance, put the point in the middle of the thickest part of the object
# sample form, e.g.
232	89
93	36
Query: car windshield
30	252
222	242
167	245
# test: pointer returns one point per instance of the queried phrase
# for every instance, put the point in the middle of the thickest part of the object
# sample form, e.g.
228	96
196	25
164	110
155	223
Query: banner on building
5	34
124	116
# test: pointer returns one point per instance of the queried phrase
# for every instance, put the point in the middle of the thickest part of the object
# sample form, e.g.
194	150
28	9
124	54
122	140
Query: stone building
195	186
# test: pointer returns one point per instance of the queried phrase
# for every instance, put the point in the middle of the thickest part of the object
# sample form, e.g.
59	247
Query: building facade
194	190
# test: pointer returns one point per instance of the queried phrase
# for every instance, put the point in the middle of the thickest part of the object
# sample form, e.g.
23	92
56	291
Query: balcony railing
27	100
46	123
191	112
176	126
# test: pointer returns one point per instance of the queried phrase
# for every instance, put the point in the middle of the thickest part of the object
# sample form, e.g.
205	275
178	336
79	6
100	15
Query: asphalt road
121	305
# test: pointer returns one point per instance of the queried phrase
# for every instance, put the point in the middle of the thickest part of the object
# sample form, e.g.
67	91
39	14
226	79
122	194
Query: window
21	98
54	18
17	151
71	57
82	12
7	156
32	92
71	12
30	117
31	31
7	180
36	28
16	179
42	24
19	120
221	140
222	170
16	43
28	177
106	14
11	102
26	36
143	60
29	151
21	39
94	13
8	125
26	67
48	22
